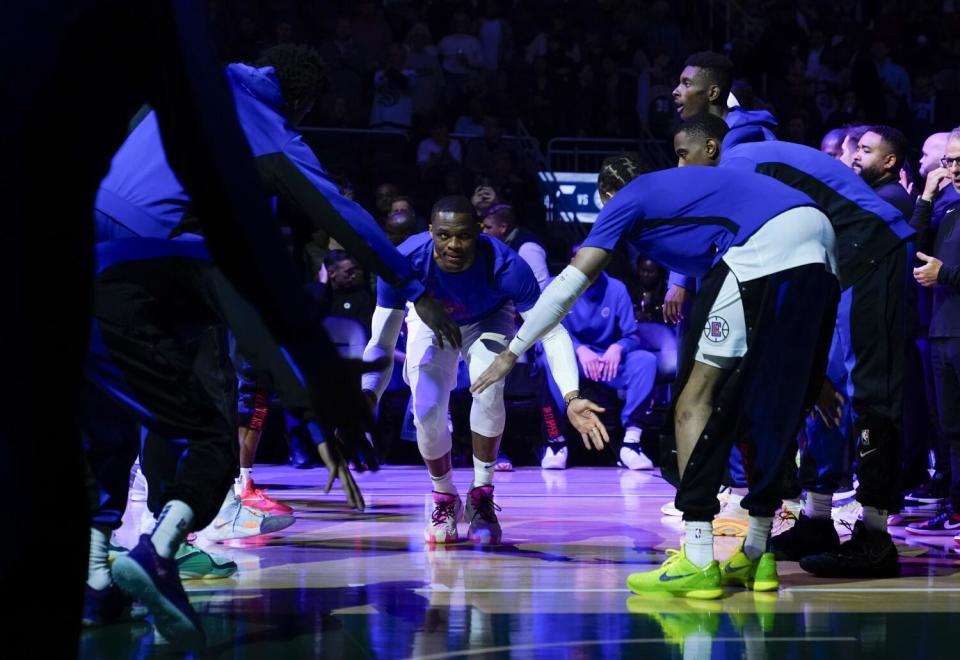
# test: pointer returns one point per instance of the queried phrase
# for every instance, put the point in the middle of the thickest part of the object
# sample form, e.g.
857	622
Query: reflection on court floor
343	585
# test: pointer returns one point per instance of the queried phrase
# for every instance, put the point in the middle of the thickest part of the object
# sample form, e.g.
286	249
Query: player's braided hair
617	171
300	70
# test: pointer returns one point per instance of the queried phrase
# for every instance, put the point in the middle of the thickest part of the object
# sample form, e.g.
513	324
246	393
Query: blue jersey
687	218
761	120
497	276
142	194
867	227
602	316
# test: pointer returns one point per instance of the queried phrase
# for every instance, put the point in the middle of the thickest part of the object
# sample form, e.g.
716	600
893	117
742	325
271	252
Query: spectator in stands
460	56
895	81
402	221
650	290
496	36
602	327
832	143
393	87
383	199
941	272
849	149
346	65
423	60
482	154
439	151
346	292
471	123
372	34
500	222
484	196
881	152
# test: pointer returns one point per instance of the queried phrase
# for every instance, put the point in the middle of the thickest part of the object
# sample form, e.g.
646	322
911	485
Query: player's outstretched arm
554	303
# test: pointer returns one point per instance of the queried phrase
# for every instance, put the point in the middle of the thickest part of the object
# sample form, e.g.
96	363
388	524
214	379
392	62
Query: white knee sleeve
433	435
488	415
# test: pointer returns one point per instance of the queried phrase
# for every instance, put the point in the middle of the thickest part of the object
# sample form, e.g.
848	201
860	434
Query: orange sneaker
258	499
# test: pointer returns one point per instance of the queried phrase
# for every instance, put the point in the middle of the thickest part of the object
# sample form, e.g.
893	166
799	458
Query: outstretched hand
582	414
339	468
497	371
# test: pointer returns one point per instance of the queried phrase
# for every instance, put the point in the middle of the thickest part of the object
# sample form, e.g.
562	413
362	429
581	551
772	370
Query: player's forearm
558	349
553	304
385	330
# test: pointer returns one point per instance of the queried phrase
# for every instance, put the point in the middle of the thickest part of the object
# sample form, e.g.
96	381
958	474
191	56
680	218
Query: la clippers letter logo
716	329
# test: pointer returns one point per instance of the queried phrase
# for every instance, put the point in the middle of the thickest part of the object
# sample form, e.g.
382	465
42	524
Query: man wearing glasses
939	252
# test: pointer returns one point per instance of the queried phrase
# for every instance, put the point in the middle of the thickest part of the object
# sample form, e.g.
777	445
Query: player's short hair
617	171
895	140
704	125
454	204
716	67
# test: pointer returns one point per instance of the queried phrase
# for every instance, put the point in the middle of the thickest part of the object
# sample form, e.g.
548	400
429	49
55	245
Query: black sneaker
111	605
155	582
932	492
810	536
866	555
946	523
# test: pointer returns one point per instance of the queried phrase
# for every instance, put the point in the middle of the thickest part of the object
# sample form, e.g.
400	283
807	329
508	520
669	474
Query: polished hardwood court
339	584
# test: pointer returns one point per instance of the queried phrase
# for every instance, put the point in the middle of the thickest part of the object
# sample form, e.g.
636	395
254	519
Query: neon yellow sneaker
678	575
757	574
680	620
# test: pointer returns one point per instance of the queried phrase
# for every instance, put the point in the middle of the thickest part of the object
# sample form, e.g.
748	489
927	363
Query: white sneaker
633	458
443	512
236	521
668	509
846	516
786	517
554	459
138	489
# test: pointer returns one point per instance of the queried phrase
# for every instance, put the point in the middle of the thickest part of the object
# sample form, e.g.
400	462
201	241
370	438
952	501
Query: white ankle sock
698	542
483	472
631	436
444	483
98	566
818	506
875	519
246	474
758	534
172	528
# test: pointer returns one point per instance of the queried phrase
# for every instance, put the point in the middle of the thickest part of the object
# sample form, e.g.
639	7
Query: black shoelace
442	512
486	508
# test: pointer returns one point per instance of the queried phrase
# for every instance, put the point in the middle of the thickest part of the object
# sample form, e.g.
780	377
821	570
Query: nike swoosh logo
730	568
671	578
867	453
950	525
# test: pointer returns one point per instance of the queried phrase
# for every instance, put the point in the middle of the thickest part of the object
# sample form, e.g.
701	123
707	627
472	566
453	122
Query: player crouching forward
482	283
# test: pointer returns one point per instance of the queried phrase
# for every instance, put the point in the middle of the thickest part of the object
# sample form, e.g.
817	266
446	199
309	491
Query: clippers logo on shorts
717	329
605	312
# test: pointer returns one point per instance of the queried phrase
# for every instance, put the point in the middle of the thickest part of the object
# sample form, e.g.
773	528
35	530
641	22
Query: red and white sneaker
257	498
442	519
482	514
